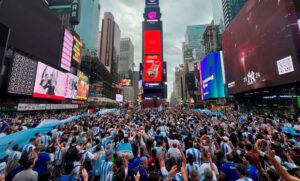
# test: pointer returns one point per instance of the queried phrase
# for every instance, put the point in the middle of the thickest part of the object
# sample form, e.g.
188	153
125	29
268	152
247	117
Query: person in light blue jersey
14	153
105	165
29	146
195	152
46	139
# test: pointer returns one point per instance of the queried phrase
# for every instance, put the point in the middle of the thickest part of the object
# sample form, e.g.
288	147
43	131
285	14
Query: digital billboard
125	82
212	76
152	41
261	46
152	3
298	102
22	75
82	86
152	15
71	86
66	57
49	82
152	68
119	97
77	48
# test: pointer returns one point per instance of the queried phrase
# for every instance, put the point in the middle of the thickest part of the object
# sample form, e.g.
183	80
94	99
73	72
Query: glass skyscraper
88	28
194	39
218	14
231	8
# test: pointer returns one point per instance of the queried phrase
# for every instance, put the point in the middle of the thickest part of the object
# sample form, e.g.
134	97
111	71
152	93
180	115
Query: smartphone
179	165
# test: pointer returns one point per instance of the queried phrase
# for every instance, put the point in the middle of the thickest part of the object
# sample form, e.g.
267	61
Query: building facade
116	49
107	34
194	39
62	9
212	39
90	17
99	44
231	8
126	58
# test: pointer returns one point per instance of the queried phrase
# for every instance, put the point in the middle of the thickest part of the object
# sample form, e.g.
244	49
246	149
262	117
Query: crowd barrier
22	137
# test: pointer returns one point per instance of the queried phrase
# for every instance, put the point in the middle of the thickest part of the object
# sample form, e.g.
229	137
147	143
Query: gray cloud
176	15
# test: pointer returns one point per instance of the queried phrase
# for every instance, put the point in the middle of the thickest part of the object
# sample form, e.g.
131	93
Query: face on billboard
71	86
260	46
152	68
152	40
82	89
211	76
49	82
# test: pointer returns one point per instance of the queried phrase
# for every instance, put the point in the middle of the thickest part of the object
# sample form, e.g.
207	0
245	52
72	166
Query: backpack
71	154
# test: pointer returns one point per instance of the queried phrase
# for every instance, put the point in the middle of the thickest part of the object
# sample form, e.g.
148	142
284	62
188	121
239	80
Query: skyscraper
99	44
126	58
88	28
107	34
116	49
218	14
194	39
231	8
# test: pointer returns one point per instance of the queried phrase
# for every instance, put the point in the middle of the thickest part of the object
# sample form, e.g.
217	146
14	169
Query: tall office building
107	34
116	49
99	44
88	28
126	58
194	39
218	14
62	9
231	8
212	38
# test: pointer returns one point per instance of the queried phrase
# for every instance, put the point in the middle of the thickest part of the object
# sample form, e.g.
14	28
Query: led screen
212	77
298	102
152	41
71	86
77	48
152	68
66	56
125	82
82	86
22	75
260	46
49	82
119	97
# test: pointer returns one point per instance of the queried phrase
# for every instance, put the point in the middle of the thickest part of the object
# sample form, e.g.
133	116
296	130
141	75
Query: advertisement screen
260	46
125	82
22	75
212	76
66	56
77	48
119	97
82	86
49	82
298	102
152	41
71	86
152	68
151	2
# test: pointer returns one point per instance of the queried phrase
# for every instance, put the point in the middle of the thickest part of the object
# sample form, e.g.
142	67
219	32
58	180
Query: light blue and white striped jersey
190	168
110	175
96	130
13	155
97	163
244	179
27	147
45	140
196	153
225	148
58	154
104	169
245	134
165	173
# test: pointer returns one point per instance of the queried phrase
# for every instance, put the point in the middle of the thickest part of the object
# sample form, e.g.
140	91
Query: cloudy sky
176	15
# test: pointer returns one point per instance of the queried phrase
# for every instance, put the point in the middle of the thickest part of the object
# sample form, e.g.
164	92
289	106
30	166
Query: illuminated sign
82	86
65	61
151	2
298	102
49	82
119	97
211	76
77	47
152	40
125	82
75	12
71	86
152	68
285	65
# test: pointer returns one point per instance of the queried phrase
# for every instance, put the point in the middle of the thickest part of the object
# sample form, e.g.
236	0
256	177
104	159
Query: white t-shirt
207	165
174	152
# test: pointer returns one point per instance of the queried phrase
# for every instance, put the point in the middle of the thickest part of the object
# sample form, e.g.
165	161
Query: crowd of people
151	145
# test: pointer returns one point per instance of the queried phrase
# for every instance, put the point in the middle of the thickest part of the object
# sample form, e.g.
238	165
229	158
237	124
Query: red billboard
152	41
152	68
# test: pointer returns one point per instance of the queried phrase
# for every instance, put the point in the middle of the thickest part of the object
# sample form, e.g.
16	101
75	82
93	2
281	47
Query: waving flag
160	108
